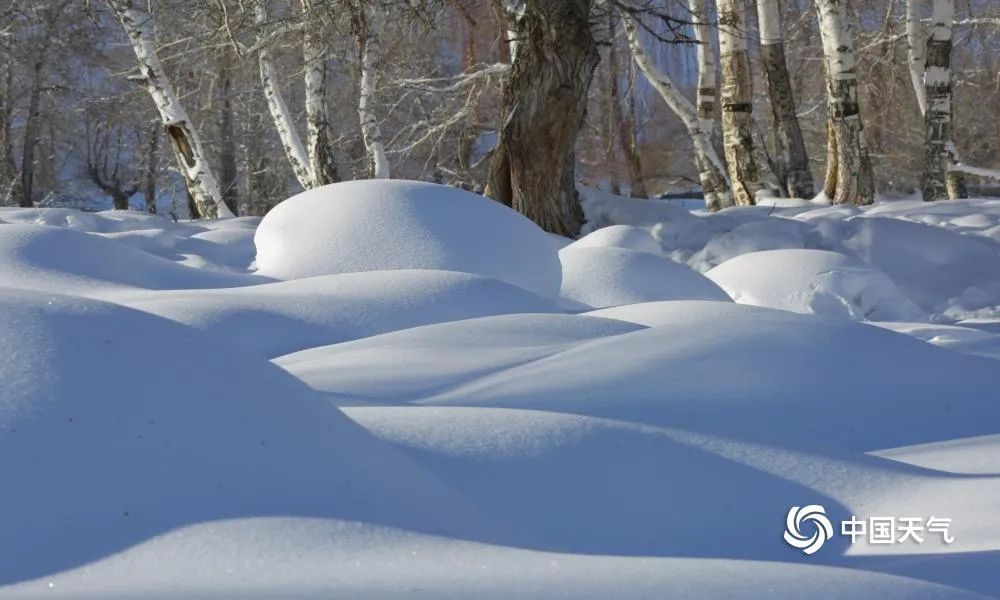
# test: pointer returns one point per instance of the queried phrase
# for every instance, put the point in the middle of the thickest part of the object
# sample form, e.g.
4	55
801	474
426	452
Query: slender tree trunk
716	191
940	153
795	177
368	48
152	166
319	133
849	178
543	104
201	182
915	44
290	141
624	124
737	102
711	171
610	126
8	170
31	137
227	136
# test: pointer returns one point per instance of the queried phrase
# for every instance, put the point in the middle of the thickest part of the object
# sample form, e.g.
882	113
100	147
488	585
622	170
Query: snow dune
405	389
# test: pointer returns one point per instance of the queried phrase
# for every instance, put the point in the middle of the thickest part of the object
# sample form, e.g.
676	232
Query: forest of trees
217	107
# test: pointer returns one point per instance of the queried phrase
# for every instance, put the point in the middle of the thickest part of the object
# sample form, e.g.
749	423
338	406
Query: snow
420	393
380	225
116	426
598	277
621	236
814	282
278	318
293	557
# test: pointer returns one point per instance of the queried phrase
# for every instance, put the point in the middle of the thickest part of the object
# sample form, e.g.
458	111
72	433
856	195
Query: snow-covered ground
390	389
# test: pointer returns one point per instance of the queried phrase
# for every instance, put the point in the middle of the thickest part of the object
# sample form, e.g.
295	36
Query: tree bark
737	102
368	48
915	44
152	166
201	182
544	102
8	170
624	124
794	175
711	171
227	137
940	153
31	137
849	178
290	141
319	133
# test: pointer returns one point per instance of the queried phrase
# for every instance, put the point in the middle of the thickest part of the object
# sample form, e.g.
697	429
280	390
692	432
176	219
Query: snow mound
968	340
62	260
942	271
749	236
620	236
282	557
116	426
278	318
599	277
390	224
422	360
749	372
817	282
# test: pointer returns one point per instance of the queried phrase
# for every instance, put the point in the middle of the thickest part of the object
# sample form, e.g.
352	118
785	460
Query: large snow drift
814	282
391	224
597	277
278	318
463	437
116	426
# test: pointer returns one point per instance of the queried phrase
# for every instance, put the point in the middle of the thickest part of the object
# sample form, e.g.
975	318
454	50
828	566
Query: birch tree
940	154
711	171
366	33
793	160
737	102
201	182
849	178
543	104
276	105
322	163
915	44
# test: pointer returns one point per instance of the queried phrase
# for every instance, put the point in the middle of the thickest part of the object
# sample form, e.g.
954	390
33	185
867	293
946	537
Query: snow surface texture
422	410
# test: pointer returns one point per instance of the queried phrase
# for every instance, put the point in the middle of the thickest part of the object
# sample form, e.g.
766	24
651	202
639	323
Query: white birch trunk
322	163
737	102
940	153
378	164
915	43
791	161
282	118
712	173
201	182
707	84
849	177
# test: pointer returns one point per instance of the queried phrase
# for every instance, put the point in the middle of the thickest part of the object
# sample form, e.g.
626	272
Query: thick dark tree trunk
543	106
793	158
